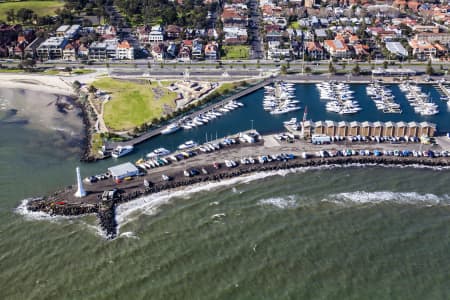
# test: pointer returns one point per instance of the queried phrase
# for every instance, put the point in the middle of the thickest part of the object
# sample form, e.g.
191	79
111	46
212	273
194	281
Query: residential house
97	51
197	49
69	52
72	32
156	35
440	50
397	49
68	31
173	31
337	48
235	35
158	51
61	30
83	51
361	50
31	49
314	50
234	15
278	53
443	38
143	33
185	50
8	34
18	50
106	30
171	51
211	50
124	50
274	35
422	49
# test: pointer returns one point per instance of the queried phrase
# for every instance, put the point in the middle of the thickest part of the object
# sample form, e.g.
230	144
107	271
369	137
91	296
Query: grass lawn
235	52
41	8
96	142
74	72
82	71
132	104
11	71
51	72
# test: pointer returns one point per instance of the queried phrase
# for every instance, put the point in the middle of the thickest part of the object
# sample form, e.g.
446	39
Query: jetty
443	90
103	196
152	133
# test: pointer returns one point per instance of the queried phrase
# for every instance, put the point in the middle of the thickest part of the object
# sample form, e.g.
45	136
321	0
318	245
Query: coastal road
256	49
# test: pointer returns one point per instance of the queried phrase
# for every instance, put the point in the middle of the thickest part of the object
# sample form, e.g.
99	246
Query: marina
420	101
280	98
383	98
339	97
253	115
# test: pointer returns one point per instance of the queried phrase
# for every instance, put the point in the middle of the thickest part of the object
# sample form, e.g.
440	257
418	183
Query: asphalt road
256	51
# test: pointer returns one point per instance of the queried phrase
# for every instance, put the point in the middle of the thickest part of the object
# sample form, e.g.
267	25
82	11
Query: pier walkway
443	91
152	133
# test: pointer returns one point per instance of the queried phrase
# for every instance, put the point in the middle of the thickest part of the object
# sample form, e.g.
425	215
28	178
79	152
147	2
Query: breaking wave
23	210
150	204
280	202
362	197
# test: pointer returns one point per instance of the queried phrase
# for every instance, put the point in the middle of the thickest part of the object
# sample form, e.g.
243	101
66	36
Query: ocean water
320	233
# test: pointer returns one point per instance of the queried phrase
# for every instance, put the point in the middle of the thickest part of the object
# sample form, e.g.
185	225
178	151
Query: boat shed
123	170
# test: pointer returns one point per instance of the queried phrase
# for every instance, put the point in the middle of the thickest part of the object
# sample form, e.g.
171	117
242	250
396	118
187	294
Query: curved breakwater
105	210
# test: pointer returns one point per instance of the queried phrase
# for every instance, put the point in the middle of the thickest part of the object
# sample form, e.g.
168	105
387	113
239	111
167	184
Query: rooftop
123	169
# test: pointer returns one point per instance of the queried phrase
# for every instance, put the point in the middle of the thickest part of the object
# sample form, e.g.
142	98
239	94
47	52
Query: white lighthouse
80	190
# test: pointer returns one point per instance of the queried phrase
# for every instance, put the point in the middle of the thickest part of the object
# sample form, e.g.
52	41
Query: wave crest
280	202
363	197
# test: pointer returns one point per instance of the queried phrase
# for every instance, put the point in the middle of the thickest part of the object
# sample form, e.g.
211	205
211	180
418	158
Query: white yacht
170	129
292	121
121	151
187	145
280	99
158	152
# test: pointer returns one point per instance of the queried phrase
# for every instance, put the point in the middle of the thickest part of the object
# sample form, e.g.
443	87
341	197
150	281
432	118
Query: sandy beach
46	108
37	82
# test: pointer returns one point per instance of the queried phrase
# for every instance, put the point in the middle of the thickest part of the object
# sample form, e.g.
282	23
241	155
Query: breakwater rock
107	218
105	210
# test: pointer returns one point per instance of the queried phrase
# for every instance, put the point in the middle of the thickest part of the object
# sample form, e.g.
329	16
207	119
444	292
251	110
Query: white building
52	48
156	34
123	170
124	50
396	48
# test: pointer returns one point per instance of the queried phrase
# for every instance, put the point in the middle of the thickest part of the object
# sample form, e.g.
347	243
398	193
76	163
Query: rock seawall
105	210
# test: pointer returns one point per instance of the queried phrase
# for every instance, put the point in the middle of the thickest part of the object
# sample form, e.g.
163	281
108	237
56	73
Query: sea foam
363	197
23	210
150	204
280	202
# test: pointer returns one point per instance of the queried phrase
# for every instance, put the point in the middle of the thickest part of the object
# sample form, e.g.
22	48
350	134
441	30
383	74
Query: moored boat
170	129
122	150
187	145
